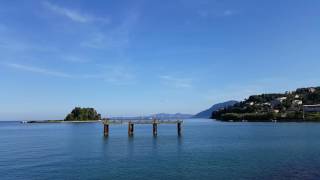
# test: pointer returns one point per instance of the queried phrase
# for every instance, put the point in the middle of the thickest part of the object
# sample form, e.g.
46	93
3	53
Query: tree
262	107
82	114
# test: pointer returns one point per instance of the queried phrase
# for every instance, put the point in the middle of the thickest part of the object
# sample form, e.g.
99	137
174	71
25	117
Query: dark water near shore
206	150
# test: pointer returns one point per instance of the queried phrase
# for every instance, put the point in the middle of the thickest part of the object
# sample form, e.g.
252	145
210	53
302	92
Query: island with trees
83	114
78	114
299	105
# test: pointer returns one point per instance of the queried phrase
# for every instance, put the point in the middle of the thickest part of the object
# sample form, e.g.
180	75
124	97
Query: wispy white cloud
116	75
39	70
116	38
74	15
176	82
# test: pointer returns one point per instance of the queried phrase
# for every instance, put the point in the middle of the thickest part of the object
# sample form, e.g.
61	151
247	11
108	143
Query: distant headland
300	105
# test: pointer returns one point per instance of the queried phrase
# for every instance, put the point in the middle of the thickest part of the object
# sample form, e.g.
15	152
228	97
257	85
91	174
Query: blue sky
142	57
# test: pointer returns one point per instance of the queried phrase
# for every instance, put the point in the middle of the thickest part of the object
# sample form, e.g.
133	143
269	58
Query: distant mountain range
172	116
207	113
204	114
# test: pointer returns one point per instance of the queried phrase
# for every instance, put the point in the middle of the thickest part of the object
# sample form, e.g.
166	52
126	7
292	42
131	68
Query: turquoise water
206	150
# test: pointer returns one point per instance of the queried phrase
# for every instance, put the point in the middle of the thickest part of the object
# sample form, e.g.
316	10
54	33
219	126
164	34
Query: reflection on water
206	150
130	146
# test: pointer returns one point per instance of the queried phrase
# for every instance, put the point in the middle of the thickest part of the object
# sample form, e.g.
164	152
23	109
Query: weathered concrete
131	124
106	129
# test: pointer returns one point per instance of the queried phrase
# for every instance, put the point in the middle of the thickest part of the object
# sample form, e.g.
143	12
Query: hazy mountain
172	116
207	113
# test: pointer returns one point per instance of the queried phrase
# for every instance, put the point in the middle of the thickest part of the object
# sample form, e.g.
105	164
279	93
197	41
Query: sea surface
207	149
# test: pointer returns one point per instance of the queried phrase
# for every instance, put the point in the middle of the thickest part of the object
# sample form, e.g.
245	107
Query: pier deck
131	124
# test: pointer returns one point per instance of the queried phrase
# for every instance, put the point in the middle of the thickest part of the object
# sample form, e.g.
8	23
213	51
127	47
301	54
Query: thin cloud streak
116	75
39	70
73	14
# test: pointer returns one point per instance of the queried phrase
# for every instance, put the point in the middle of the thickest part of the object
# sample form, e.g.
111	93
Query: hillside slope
207	113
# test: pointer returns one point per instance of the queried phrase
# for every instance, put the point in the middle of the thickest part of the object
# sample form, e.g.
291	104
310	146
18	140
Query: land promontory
299	105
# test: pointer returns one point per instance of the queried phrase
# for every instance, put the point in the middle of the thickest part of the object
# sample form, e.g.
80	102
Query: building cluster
276	105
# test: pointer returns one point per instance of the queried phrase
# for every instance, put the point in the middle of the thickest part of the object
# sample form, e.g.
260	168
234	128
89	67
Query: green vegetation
53	121
313	116
266	107
83	114
248	116
46	121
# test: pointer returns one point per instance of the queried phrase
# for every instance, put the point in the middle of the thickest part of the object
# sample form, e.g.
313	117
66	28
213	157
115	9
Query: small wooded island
78	114
83	114
300	105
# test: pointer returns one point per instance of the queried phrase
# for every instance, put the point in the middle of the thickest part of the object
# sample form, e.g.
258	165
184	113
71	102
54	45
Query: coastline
60	121
219	120
270	121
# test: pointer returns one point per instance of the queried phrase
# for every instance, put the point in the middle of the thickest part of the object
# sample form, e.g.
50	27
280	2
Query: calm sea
206	150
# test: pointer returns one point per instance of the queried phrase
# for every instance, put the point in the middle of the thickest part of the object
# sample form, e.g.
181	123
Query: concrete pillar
179	128
155	128
130	129
106	129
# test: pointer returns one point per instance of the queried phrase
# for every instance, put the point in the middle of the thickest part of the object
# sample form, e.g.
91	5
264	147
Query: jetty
132	123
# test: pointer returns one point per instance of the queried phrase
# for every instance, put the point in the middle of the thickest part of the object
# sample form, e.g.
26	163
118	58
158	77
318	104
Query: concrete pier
131	124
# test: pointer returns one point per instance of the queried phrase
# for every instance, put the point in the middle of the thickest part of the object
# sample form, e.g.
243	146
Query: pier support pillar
155	128
179	128
130	129
106	130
